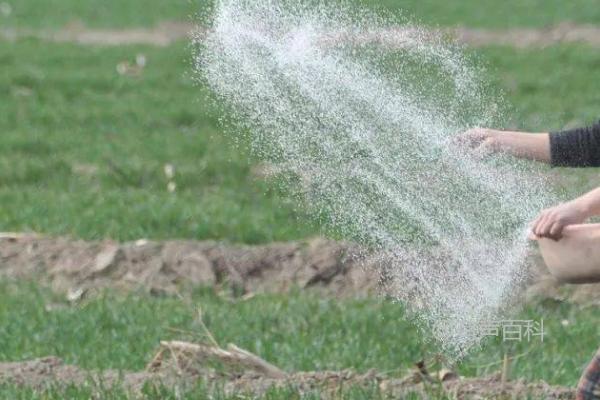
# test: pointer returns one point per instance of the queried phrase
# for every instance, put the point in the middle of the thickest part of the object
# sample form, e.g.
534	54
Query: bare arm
531	146
590	203
551	221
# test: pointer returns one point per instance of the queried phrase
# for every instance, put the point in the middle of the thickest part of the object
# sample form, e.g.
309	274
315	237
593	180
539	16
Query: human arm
578	147
572	148
552	221
531	146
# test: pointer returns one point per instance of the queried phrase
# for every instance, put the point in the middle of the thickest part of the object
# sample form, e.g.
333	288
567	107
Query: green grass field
297	332
83	150
475	13
92	144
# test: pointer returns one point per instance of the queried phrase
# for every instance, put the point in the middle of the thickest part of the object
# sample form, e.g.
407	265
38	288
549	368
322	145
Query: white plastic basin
575	258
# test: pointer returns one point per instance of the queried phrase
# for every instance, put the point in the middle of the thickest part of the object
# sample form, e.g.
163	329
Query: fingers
486	148
482	142
532	236
556	231
547	225
543	227
471	138
535	225
538	226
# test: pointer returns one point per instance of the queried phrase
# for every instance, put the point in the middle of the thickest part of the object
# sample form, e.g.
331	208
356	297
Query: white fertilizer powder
357	112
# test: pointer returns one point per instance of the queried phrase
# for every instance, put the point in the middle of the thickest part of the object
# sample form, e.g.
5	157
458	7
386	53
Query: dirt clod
76	267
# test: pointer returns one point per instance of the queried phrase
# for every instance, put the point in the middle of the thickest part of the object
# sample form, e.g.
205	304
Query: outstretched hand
482	141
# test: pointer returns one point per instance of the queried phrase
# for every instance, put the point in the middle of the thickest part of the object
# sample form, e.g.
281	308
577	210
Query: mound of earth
52	372
77	267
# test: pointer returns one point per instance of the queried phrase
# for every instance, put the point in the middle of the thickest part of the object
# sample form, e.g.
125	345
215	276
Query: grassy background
84	148
296	332
474	13
84	151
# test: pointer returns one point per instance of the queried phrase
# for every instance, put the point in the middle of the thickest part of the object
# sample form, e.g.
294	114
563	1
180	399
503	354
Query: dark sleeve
576	147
